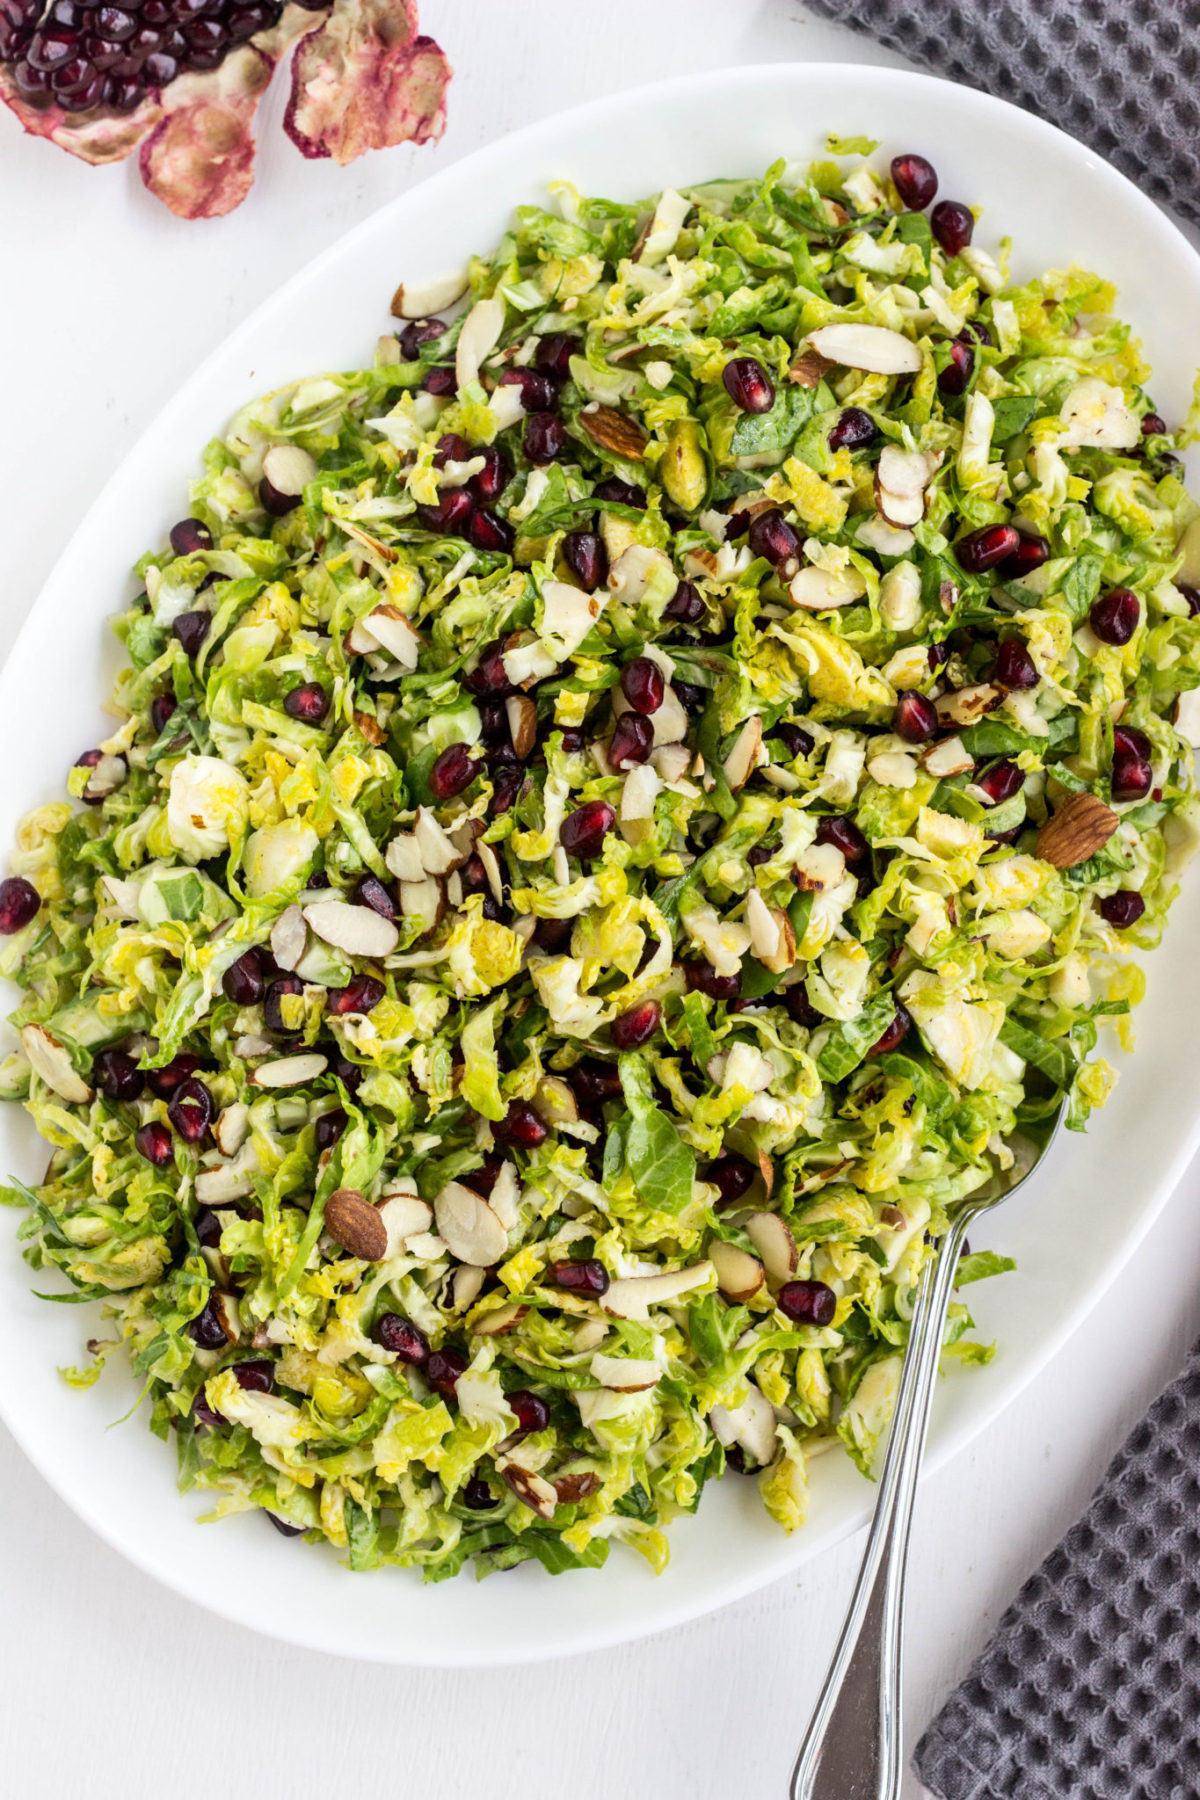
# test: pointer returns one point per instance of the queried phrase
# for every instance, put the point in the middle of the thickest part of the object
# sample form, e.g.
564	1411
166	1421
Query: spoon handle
853	1742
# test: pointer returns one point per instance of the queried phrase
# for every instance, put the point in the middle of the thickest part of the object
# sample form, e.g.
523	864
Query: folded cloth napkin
1123	76
1090	1689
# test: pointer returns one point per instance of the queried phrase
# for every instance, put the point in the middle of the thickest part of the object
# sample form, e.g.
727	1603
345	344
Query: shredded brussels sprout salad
620	811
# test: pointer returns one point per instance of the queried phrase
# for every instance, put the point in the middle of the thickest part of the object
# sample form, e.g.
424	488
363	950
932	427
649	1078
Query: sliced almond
358	930
355	1224
504	1318
487	857
871	347
575	1485
632	1296
876	534
522	723
232	1128
809	369
949	757
463	1284
822	590
1187	716
289	469
290	1071
739	1275
625	1374
785	955
392	631
289	938
423	900
532	1490
225	1182
51	1061
764	928
1081	826
470	1228
968	705
404	1216
505	1196
478	338
370	728
744	754
420	299
614	431
750	1425
774	1242
671	761
439	852
224	1308
403	858
555	1101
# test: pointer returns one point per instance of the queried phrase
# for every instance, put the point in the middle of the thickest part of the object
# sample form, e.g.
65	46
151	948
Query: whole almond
522	723
1081	826
614	431
354	1223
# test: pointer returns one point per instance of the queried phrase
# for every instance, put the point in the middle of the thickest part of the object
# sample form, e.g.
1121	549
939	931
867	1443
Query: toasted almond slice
478	338
625	1374
522	723
389	627
224	1306
355	1224
439	852
289	938
470	1228
232	1128
671	761
949	757
487	857
632	1296
614	431
290	1071
358	930
531	1490
370	728
502	1319
739	1275
744	754
224	1182
1081	826
462	1284
421	299
750	1425
1187	716
876	534
899	510
424	900
809	369
404	1216
772	1238
966	706
51	1061
904	473
765	933
785	955
871	347
821	590
289	469
403	858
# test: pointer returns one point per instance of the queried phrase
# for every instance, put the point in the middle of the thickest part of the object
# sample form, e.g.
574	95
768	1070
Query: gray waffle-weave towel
1121	75
1090	1689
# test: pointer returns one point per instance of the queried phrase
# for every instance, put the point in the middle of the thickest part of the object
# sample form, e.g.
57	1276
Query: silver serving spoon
852	1749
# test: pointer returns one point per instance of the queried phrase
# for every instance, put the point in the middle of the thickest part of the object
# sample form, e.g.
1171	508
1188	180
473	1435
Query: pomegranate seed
283	1526
521	1125
421	331
191	628
361	995
371	892
953	225
245	981
1129	741
771	537
272	1003
938	654
309	702
590	1277
494	476
854	430
685	605
539	394
329	1127
451	447
637	1026
1114	616
493	721
554	352
452	771
794	739
956	375
441	381
163	1082
702	978
759	854
443	1369
161	708
532	1412
748	385
643	684
620	493
982	550
1030	554
800	1008
208	1331
191	1110
452	513
507	784
19	902
483	1179
474	876
915	180
730	1174
488	531
117	1075
592	1080
402	1338
154	1143
915	717
978	331
350	1074
1001	782
545	438
1192	596
844	835
582	832
1015	668
1132	777
189	536
488	676
478	1495
1153	425
1122	909
894	1033
586	557
693	699
631	742
807	1302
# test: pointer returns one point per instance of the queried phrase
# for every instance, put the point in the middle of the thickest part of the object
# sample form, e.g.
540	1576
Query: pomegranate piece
955	377
1132	777
1114	616
488	676
1192	596
748	385
770	536
631	742
643	685
350	1074
452	513
915	717
984	549
309	703
800	1008
545	438
1129	741
361	995
844	835
915	180
532	1412
620	493
191	628
539	394
272	1003
404	1339
117	1075
478	1495
637	1026
894	1033
452	771
702	978
19	902
371	892
685	605
554	352
731	1174
582	832
163	1082
488	531
1030	554
522	1126
154	1143
329	1127
952	224
590	1079
586	557
442	1371
189	536
506	786
245	981
494	476
1122	909
1153	425
441	381
207	1331
451	447
365	80
199	155
161	708
1001	782
1014	668
284	1526
589	1277
795	740
854	430
191	1110
421	331
807	1302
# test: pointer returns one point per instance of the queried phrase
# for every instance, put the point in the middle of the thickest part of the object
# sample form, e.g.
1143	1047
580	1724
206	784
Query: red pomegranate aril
915	180
329	1126
620	493
451	447
1153	425
117	1075
189	536
938	654
506	786
894	1033
284	1527
191	628
586	557
54	45
19	903
915	717
71	76
554	352
952	224
643	684
452	771
163	1082
1030	554
371	892
731	1174
309	703
590	1079
489	675
1015	668
453	511
474	876
844	835
1114	616
982	550
441	381
795	740
521	1125
350	1074
637	1026
685	605
421	331
956	375
245	981
771	537
94	95
161	708
702	978
539	394
488	531
1129	741
478	1495
257	1377
1191	595
545	438
154	1143
494	476
854	430
207	1331
807	1302
1122	909
191	1110
588	1277
1132	777
748	385
443	1369
125	96
532	1412
1001	782
582	832
631	742
273	1007
800	1008
361	995
404	1339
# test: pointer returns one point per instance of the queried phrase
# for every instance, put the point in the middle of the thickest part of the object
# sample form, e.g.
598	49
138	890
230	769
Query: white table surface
109	1685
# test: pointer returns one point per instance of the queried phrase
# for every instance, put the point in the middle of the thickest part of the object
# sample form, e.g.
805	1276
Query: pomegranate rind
199	159
92	138
364	81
